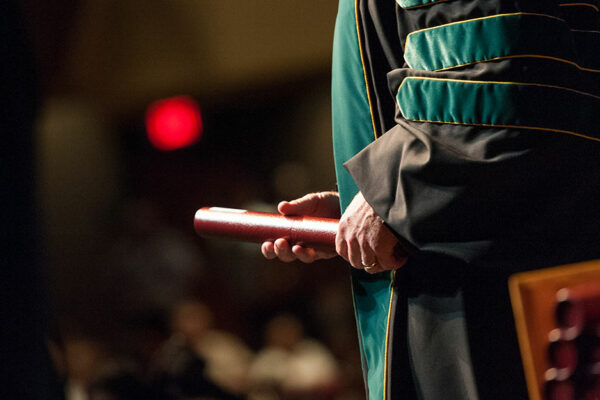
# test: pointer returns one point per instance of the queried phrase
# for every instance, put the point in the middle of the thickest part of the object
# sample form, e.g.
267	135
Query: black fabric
401	377
475	204
378	27
480	196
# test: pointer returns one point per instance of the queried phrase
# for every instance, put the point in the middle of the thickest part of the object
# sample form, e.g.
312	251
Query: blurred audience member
199	361
227	357
119	383
181	374
291	366
84	360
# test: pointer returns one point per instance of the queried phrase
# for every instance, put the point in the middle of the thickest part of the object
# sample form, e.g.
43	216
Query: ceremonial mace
258	227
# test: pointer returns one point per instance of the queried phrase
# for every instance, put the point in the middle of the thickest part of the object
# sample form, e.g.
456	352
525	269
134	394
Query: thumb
387	261
391	261
302	206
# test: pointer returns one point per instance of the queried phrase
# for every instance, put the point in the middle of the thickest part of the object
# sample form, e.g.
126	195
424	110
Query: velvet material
416	3
474	203
353	129
502	104
507	35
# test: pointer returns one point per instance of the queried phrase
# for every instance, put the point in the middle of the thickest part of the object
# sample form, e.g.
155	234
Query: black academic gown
486	162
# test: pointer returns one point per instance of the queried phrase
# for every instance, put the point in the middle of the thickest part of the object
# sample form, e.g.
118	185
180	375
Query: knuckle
378	246
286	257
366	249
282	255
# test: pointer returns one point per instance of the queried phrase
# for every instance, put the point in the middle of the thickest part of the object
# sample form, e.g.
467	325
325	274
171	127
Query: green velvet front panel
353	131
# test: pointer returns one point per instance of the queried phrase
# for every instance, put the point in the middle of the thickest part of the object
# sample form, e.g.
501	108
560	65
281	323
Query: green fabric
506	35
415	3
351	119
501	104
371	305
352	131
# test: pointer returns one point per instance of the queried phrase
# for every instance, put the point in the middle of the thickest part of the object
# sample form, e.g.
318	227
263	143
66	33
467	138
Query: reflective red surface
258	227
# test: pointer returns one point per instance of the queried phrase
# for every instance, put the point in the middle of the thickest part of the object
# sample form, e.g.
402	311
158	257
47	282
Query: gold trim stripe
387	337
580	4
562	60
362	60
421	5
477	19
499	125
423	78
510	127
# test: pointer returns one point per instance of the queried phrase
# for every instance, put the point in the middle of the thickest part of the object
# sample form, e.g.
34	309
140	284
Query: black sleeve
500	194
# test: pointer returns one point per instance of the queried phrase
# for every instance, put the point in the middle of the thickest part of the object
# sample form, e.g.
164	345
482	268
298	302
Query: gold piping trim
493	125
584	31
361	346
580	4
387	338
535	128
477	19
423	78
421	5
362	61
579	67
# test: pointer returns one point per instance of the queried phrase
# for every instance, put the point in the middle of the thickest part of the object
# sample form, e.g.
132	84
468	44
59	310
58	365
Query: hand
364	240
322	204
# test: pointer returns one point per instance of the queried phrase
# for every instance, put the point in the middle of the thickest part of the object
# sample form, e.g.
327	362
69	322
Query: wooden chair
557	314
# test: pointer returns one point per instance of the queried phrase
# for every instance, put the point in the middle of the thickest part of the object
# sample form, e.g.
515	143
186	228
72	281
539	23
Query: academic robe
472	128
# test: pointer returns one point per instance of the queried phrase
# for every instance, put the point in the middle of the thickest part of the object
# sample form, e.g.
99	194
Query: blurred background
102	178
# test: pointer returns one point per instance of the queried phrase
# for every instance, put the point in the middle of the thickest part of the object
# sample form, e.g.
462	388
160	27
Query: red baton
258	227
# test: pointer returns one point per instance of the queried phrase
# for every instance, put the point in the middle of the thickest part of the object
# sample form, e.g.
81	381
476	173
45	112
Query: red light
173	123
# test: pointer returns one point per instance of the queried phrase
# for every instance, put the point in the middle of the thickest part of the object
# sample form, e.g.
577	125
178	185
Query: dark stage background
134	303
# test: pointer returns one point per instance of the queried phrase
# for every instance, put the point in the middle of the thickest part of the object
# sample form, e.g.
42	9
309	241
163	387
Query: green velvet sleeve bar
500	104
507	35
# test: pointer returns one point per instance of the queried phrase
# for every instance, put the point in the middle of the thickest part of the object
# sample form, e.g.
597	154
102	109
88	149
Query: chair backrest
557	314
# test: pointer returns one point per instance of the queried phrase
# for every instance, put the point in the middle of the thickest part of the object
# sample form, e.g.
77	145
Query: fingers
386	259
308	255
370	261
354	247
282	250
341	247
321	204
305	205
357	254
364	240
368	256
278	249
268	250
303	254
354	254
374	269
